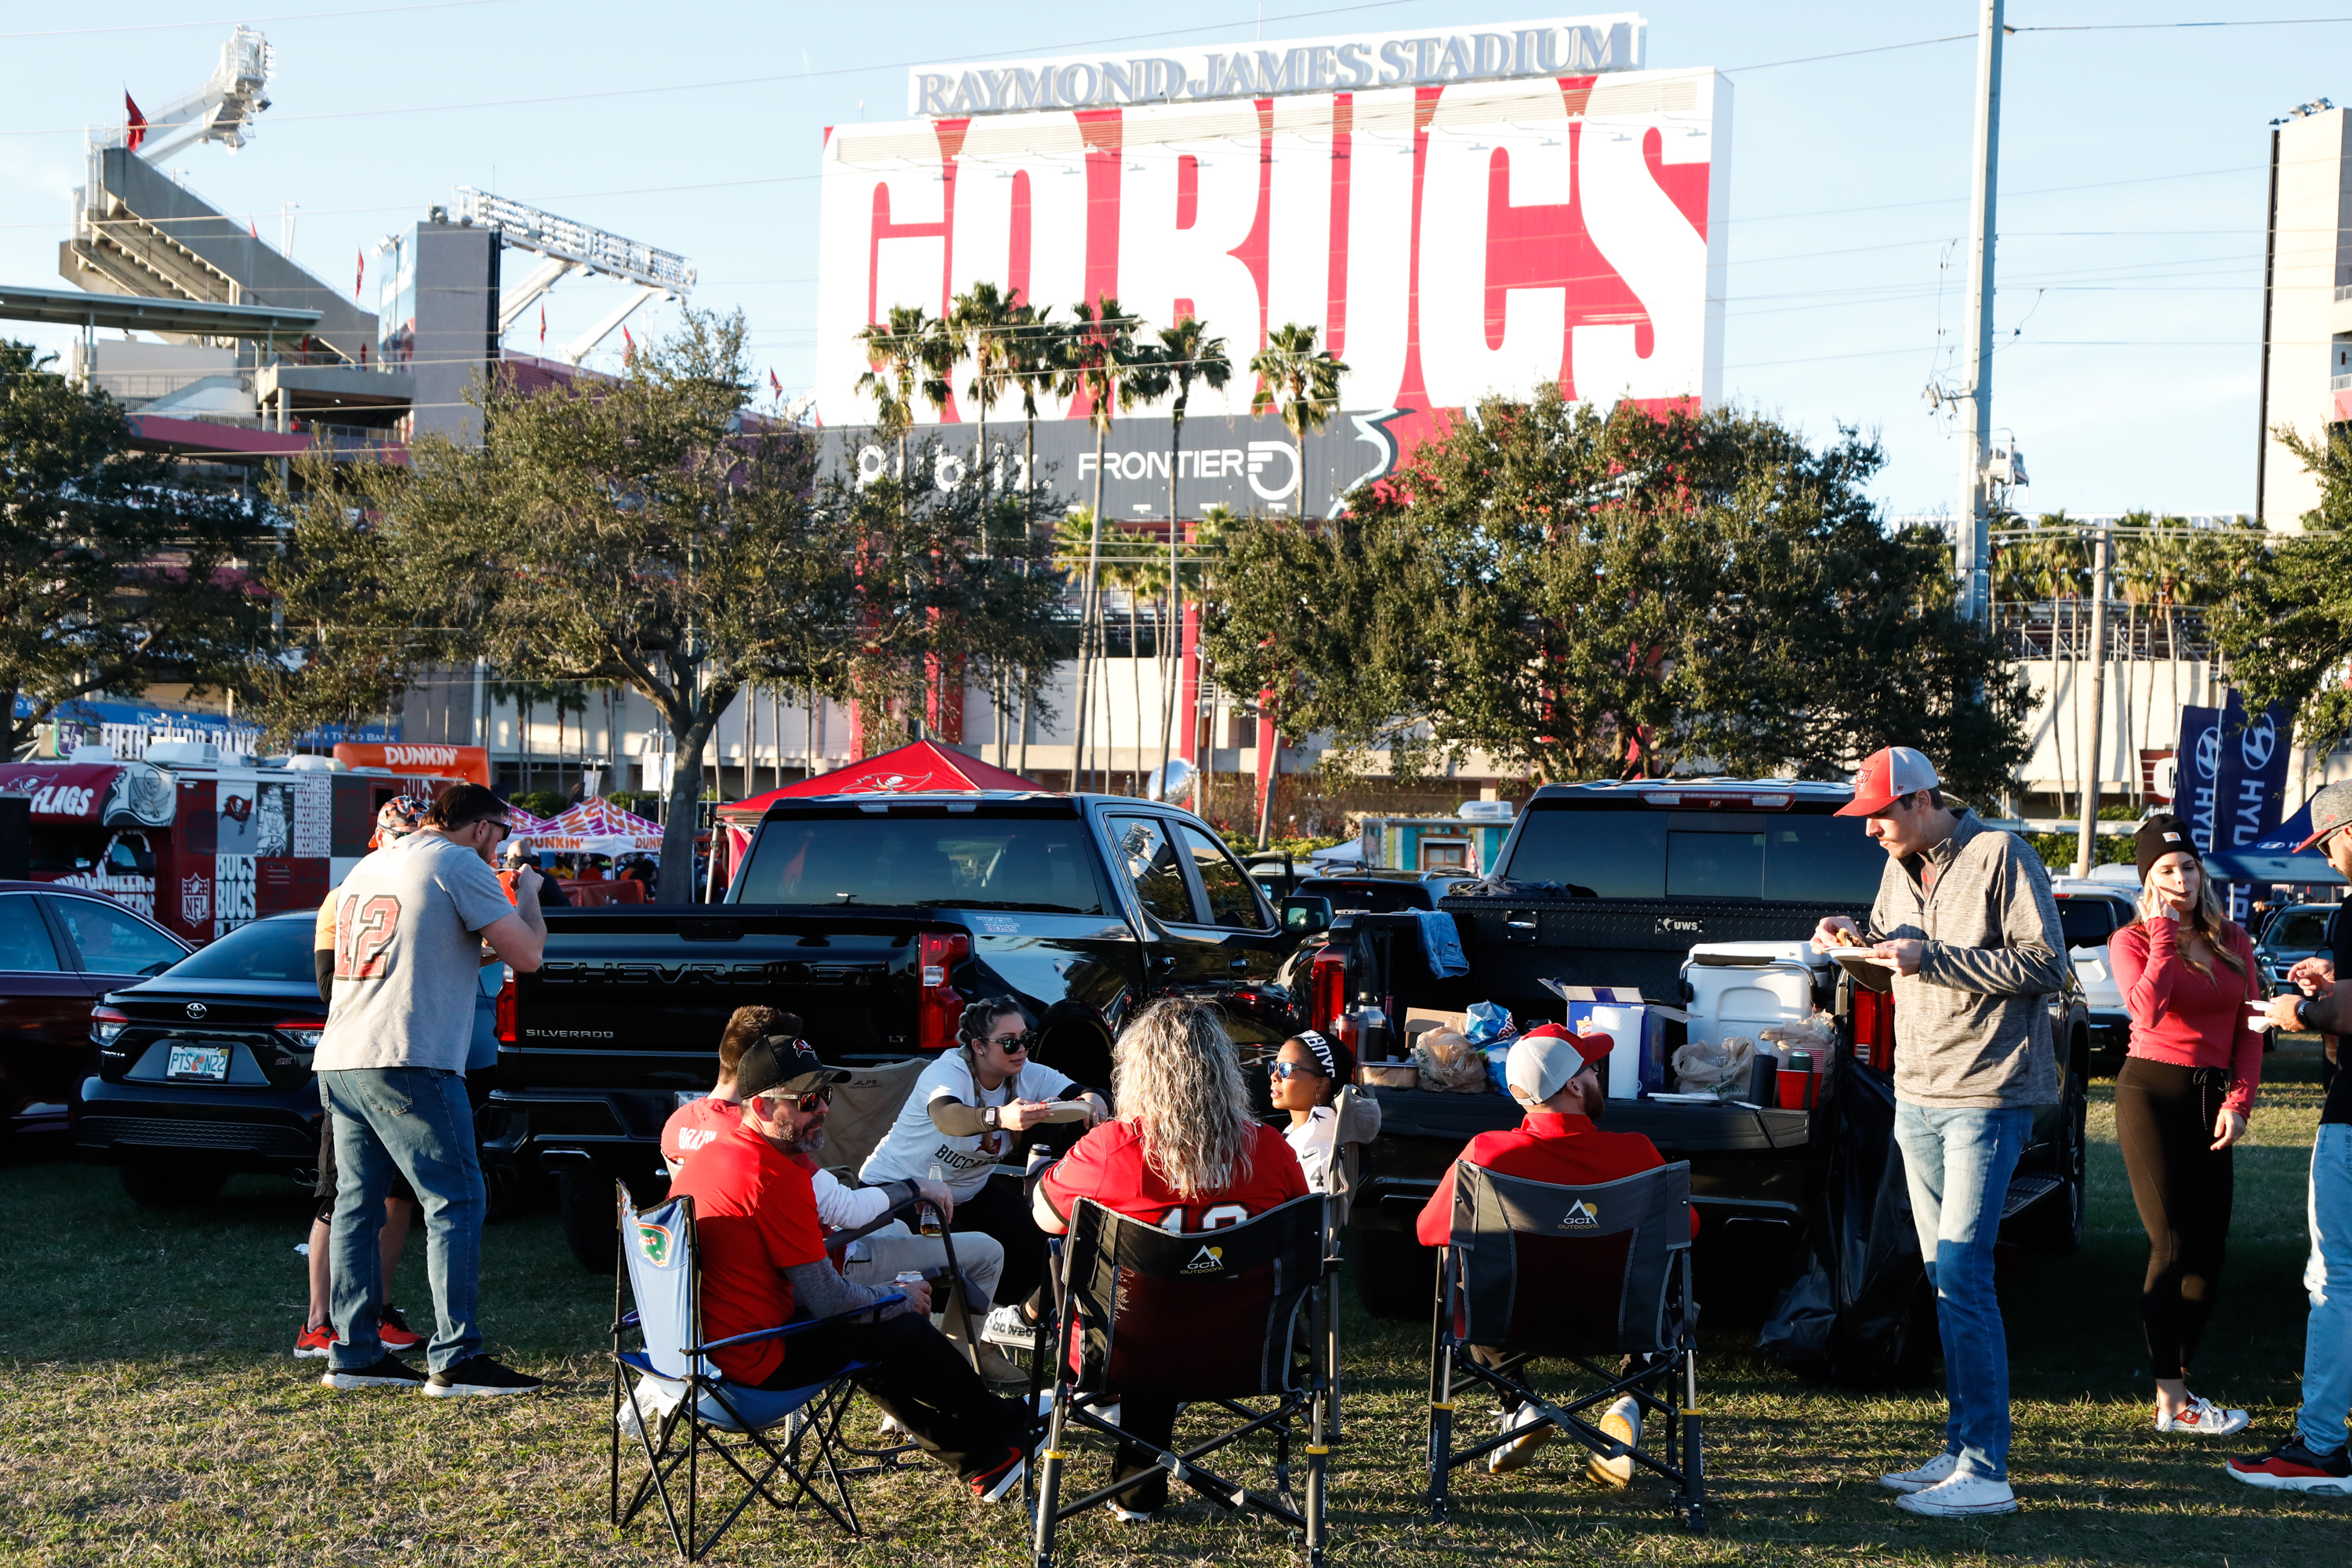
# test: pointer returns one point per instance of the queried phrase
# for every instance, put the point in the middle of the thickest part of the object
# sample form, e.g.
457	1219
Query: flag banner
2197	763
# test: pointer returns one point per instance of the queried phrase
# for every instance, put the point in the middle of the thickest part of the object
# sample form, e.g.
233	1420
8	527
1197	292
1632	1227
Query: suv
2296	932
2090	912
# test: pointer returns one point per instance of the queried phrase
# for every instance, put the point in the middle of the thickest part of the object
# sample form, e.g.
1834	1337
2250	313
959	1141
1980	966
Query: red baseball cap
1886	776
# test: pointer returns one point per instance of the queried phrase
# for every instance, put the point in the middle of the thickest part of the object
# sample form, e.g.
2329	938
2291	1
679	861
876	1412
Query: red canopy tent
919	767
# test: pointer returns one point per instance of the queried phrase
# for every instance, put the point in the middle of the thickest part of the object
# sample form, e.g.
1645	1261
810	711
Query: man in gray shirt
411	922
1966	921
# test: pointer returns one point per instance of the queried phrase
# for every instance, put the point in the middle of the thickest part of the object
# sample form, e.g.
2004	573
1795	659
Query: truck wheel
153	1184
2054	1224
1396	1276
584	1206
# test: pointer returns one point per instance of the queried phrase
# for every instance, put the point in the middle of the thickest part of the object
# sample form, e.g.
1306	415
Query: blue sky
2133	173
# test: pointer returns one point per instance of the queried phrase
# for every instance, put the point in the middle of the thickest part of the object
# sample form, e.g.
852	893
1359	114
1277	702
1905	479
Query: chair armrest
839	1240
797	1325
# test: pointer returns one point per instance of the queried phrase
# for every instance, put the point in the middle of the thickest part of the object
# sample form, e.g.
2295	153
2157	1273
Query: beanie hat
2160	836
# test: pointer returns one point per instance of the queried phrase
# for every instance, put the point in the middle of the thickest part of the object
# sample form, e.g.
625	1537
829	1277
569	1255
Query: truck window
1151	864
2303	929
1615	853
924	861
1233	902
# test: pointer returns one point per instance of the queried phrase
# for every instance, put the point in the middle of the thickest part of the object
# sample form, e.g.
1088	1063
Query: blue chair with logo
1212	1318
1571	1274
685	1417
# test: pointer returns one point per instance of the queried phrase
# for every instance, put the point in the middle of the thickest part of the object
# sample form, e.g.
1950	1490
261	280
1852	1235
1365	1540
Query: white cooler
1739	987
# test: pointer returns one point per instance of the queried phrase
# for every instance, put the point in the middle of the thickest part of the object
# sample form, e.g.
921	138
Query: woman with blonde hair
2187	973
1184	1155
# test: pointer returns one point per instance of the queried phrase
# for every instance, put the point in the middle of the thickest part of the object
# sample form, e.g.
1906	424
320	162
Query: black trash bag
1858	1310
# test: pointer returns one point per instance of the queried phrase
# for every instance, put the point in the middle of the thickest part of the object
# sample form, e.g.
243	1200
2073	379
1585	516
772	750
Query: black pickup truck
876	918
1612	884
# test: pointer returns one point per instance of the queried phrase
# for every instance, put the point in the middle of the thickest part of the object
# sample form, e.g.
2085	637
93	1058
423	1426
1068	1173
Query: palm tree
1187	354
981	323
1100	362
1300	382
1035	359
896	354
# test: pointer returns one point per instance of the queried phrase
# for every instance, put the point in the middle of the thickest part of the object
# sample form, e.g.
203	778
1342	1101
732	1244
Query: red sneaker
394	1330
2291	1467
314	1342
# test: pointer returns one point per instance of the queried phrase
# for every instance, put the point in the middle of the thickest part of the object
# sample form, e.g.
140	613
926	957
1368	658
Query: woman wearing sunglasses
1306	1079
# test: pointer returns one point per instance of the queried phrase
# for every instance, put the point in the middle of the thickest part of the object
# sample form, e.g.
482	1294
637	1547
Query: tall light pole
1975	554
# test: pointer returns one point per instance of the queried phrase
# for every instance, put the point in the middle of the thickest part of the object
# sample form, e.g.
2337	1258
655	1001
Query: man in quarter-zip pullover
1965	923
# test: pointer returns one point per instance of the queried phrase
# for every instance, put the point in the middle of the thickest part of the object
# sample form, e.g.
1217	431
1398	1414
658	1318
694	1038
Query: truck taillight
1327	989
940	1006
1874	1028
505	1025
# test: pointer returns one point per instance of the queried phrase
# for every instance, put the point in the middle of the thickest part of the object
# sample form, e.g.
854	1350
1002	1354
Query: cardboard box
1419	1021
1638	1065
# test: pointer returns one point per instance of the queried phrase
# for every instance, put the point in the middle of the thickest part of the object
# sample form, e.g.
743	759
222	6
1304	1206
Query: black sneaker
388	1372
999	1481
2292	1466
479	1374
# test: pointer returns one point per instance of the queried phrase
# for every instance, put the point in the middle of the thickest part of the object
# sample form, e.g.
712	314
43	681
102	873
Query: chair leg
1332	1346
1319	1460
1441	1389
1049	1484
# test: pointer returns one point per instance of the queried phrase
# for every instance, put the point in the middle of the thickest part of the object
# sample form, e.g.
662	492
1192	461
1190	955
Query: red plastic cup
1795	1081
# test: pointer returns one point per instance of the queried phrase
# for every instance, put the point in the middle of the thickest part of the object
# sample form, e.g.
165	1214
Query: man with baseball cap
764	1264
1553	1075
1965	920
2316	1458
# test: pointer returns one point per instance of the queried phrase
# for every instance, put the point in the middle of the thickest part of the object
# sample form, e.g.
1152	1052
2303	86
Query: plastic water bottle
930	1223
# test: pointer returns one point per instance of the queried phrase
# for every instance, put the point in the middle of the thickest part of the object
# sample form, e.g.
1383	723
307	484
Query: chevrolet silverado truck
876	918
1611	885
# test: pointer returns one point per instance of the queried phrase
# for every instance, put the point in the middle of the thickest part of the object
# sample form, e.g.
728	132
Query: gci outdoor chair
1210	1319
1574	1273
1358	1121
674	1400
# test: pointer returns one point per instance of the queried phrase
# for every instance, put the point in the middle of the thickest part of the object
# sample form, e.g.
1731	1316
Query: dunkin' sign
1457	221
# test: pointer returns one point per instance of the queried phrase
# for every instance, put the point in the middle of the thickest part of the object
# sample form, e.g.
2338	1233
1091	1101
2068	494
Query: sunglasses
815	1100
504	828
1287	1070
1012	1044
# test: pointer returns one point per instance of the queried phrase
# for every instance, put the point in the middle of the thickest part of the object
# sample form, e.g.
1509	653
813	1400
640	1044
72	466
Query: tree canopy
2287	629
1583	595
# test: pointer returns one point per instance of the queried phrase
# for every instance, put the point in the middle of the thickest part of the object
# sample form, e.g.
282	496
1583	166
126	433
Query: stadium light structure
222	110
567	247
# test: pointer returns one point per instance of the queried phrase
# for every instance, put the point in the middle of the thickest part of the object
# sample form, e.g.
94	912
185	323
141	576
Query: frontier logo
1581	1215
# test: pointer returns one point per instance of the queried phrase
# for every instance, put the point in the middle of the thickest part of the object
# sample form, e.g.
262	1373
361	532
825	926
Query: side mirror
1306	916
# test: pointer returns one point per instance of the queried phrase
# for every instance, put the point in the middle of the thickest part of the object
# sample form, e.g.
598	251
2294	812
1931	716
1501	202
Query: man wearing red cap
1966	921
1552	1074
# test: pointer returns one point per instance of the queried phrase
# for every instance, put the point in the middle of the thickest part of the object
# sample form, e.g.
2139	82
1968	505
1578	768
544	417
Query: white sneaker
1622	1422
1519	1454
1963	1495
2202	1416
1006	1326
1939	1468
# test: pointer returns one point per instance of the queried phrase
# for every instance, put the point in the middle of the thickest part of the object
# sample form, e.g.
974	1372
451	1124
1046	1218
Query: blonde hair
2207	919
1178	1077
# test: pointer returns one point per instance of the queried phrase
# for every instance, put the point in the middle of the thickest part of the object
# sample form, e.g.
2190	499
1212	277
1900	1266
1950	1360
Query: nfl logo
195	900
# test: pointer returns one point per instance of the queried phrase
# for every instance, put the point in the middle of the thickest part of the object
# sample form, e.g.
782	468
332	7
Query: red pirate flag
137	131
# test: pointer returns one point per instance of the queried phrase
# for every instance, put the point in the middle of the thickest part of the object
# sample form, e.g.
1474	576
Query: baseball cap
1543	1059
1886	775
2331	809
778	1064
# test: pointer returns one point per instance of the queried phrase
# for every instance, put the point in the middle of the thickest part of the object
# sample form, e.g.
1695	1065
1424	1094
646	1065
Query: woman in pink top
2187	973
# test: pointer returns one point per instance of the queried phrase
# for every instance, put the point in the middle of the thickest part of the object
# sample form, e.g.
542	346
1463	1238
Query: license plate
198	1061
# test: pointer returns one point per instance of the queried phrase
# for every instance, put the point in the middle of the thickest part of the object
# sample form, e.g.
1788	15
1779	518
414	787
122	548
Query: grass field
154	1415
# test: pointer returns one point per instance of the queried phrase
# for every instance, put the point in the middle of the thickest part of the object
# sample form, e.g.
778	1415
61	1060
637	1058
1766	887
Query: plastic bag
1450	1063
1489	1021
1817	1033
1722	1066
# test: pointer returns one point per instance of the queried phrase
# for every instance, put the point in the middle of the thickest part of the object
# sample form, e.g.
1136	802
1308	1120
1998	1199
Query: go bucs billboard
1457	213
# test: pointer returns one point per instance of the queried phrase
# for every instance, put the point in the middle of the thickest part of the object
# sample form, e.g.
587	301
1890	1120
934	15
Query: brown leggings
2183	1186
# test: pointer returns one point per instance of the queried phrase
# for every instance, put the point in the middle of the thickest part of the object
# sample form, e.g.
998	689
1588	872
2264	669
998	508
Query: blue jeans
2327	1338
419	1119
1958	1163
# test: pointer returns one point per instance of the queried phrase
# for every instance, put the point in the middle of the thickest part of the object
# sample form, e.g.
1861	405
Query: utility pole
1974	544
2102	552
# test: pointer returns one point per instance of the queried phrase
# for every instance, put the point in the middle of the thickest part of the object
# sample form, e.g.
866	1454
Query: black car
205	1070
1383	893
2292	935
61	949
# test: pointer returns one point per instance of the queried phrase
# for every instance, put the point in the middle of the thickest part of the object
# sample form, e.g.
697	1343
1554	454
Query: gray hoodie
1971	1028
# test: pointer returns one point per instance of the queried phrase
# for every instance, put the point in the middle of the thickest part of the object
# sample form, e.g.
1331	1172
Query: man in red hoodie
1552	1074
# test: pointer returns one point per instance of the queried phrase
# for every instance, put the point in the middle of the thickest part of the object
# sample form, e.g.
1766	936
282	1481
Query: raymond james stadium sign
1581	46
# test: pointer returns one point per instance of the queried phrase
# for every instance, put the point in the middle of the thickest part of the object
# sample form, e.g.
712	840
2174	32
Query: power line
249	21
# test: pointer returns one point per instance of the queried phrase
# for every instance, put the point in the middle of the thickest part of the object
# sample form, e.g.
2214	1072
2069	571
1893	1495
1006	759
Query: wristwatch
990	1117
2298	1010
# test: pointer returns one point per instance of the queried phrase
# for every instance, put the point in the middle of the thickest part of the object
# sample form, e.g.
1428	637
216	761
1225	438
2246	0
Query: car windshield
1613	852
922	860
2304	929
1378	898
264	950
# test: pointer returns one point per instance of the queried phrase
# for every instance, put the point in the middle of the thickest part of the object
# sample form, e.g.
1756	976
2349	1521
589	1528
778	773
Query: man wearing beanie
1552	1074
1966	921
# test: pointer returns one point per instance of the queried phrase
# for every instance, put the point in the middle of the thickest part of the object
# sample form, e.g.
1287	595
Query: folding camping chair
1206	1318
1357	1118
674	1400
1534	1269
